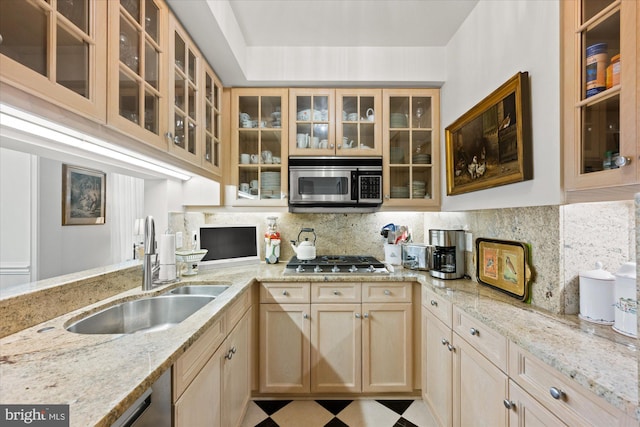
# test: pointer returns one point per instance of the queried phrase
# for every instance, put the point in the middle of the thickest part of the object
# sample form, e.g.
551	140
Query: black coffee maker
448	253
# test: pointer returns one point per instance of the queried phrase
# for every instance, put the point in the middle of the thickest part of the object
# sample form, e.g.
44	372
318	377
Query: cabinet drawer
488	342
575	404
284	292
237	308
335	292
191	362
386	292
438	306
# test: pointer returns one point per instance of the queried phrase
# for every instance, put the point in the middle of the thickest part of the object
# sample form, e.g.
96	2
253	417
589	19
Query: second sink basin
142	315
208	290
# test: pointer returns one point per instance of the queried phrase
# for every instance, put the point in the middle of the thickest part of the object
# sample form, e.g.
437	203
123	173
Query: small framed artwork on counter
83	196
490	145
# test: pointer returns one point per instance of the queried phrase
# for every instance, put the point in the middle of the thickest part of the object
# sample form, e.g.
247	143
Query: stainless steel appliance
448	253
335	184
336	264
417	257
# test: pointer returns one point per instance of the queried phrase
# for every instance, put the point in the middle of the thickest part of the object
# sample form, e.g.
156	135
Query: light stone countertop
102	375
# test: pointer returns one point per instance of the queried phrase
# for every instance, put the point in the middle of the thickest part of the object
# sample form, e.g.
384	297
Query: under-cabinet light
37	126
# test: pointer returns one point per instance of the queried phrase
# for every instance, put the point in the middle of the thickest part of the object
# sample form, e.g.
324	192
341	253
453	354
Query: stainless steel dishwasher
152	409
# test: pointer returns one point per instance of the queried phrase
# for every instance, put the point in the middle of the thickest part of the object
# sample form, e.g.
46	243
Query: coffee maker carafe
448	253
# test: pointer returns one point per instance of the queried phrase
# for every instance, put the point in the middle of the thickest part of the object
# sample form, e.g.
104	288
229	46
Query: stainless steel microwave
335	184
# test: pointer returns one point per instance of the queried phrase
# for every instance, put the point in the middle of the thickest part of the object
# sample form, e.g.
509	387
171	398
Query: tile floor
338	413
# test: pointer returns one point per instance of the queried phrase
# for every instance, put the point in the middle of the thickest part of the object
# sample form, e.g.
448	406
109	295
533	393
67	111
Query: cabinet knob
336	293
357	315
434	303
305	316
444	341
474	332
509	404
366	315
331	145
557	394
451	348
387	292
285	293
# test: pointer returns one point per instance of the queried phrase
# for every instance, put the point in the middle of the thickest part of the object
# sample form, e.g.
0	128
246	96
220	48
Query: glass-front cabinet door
56	49
411	153
212	149
259	146
601	79
137	93
185	112
359	122
312	122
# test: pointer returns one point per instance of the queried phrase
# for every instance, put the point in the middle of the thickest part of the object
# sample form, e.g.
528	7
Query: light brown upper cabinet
335	122
411	148
57	50
212	126
600	99
186	109
138	85
259	146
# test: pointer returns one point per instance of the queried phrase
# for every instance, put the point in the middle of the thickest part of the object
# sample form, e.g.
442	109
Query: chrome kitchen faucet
150	269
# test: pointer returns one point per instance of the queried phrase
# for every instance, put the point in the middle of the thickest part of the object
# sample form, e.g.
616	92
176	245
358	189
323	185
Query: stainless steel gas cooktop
336	264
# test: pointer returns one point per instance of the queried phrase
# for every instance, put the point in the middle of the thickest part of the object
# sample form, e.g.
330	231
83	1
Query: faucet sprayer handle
149	236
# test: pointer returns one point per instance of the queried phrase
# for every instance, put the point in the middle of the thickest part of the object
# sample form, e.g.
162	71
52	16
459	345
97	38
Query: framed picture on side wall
83	196
490	145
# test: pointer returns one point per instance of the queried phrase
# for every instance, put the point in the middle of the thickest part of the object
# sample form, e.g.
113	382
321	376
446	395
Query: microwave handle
354	185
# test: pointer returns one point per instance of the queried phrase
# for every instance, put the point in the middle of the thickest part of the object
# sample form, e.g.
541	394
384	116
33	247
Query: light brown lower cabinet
437	369
340	345
479	388
211	380
525	411
472	376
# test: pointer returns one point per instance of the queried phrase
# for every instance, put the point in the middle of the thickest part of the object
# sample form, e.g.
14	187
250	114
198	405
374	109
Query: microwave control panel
370	188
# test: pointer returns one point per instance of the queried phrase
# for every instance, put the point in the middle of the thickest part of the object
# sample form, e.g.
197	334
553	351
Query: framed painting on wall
83	196
490	144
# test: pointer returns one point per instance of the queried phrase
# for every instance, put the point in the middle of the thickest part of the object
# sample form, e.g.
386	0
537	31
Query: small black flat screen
228	242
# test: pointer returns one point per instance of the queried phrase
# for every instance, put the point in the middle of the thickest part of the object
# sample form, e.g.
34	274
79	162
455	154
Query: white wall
70	248
15	217
499	39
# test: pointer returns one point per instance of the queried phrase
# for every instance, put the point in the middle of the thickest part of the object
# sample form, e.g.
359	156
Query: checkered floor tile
338	413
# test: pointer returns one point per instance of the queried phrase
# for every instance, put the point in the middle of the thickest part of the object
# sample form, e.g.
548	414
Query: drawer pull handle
474	332
285	293
444	341
336	293
434	303
451	348
387	292
556	393
509	404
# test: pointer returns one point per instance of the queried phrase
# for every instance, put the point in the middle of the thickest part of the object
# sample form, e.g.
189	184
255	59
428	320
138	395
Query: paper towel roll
167	256
167	247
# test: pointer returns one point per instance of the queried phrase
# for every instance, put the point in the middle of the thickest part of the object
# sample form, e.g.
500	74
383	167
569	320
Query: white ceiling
350	22
289	42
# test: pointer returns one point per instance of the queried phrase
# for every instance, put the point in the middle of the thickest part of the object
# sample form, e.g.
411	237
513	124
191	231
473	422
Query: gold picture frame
503	265
83	196
490	144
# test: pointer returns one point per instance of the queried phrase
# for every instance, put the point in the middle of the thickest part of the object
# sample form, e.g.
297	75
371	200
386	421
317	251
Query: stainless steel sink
142	315
208	290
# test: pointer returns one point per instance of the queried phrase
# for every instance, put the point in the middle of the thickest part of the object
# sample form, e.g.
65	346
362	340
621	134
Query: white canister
597	295
626	301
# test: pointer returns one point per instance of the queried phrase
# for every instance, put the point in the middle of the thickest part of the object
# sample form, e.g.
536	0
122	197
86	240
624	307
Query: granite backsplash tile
564	240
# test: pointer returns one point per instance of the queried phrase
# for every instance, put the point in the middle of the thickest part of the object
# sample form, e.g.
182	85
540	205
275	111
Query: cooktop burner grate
362	264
